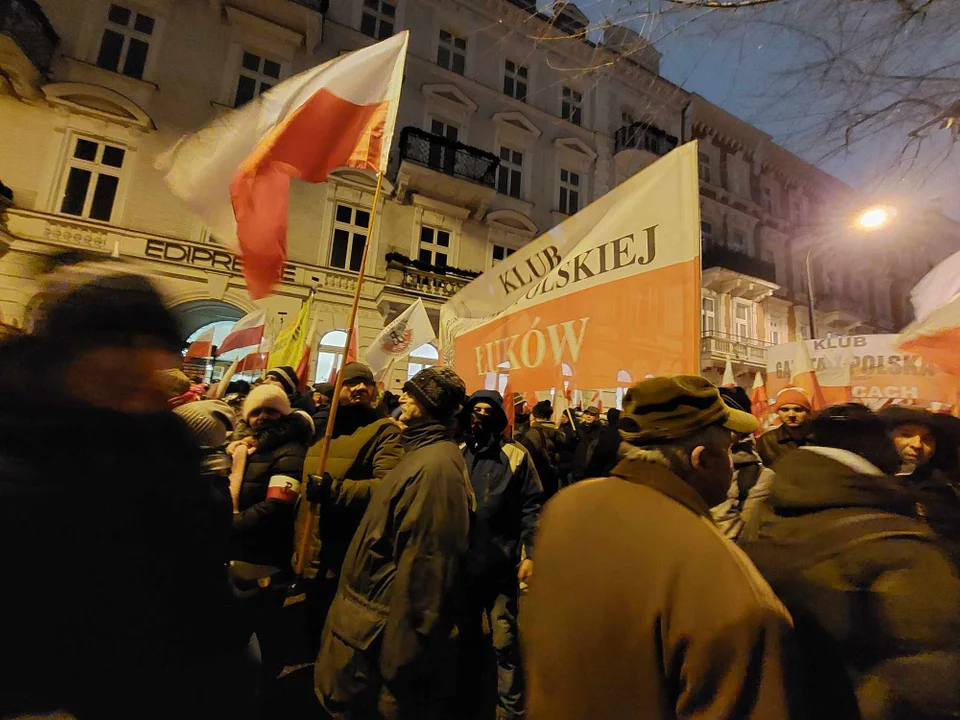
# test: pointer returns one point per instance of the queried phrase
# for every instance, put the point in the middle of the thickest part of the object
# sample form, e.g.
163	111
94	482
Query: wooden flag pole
299	559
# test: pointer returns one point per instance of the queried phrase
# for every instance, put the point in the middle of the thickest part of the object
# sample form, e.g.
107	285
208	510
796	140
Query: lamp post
872	218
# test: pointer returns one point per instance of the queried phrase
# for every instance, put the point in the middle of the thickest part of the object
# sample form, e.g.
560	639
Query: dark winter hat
324	388
543	410
208	420
736	397
439	389
493	399
662	409
354	372
117	310
592	410
287	377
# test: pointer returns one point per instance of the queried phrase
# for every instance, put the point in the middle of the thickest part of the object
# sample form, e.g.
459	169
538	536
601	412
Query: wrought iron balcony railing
448	156
644	136
24	21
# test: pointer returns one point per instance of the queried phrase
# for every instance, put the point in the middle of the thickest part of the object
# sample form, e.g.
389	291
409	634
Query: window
706	233
515	80
91	179
126	40
349	237
569	192
421	358
571	106
708	314
501	252
510	172
378	19
452	52
257	75
738	241
434	246
741	320
703	165
329	354
444	129
733	177
768	200
774	331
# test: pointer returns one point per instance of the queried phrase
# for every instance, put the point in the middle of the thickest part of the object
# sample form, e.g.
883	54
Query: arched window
329	354
624	381
422	357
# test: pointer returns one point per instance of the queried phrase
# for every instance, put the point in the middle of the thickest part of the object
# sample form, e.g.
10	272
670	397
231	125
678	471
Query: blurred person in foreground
794	409
640	607
386	647
875	599
509	499
114	573
751	480
364	447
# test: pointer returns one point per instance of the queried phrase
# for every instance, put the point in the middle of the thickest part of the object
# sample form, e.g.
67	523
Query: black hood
489	396
807	482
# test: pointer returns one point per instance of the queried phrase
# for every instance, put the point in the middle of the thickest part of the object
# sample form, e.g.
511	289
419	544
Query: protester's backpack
546	459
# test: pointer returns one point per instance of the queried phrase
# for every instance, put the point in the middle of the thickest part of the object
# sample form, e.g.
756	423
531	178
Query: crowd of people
169	553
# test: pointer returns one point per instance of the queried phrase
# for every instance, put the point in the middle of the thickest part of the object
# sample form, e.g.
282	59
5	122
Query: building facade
509	121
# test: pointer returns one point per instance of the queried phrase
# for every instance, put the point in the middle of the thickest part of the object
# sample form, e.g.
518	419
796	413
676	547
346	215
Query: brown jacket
775	443
640	608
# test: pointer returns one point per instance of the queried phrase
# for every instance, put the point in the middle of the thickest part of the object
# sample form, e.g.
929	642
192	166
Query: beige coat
640	608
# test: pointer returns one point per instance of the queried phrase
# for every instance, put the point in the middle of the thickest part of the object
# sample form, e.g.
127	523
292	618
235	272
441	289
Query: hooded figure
386	643
509	499
875	599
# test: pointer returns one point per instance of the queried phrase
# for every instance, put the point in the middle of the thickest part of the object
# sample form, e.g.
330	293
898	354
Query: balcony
405	282
27	46
717	348
839	313
644	136
735	273
446	170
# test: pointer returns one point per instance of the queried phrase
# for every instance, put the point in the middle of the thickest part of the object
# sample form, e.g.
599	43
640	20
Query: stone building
509	121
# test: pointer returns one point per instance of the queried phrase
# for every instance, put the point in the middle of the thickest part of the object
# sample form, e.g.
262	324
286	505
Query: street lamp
870	219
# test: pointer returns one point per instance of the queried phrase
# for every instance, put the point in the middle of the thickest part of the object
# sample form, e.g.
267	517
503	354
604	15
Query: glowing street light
875	217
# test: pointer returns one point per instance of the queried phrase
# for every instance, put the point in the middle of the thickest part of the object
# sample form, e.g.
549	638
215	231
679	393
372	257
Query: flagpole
301	550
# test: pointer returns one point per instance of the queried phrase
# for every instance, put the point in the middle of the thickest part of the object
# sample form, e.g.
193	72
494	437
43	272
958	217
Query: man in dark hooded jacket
508	492
114	579
384	642
588	432
875	599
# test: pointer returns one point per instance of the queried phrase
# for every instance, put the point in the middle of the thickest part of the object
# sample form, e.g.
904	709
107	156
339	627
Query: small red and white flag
729	380
509	408
759	401
805	377
200	348
253	361
235	173
247	332
596	400
408	331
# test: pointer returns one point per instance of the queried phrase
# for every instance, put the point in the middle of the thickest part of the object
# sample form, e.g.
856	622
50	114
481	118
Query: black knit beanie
440	390
357	371
111	310
543	410
287	377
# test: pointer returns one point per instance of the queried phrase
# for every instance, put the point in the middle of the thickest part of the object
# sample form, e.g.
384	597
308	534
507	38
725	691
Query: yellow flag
288	347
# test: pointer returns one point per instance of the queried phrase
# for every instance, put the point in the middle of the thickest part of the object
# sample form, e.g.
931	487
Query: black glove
319	488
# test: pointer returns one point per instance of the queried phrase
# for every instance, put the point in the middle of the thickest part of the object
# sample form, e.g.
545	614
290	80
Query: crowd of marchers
439	555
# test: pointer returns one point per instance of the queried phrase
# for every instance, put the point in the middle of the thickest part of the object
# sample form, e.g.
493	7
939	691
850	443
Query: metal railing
734	347
644	136
24	21
719	256
448	156
424	282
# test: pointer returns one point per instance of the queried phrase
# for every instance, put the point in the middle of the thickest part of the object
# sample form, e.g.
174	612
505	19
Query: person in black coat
606	452
509	498
264	500
285	378
113	579
589	431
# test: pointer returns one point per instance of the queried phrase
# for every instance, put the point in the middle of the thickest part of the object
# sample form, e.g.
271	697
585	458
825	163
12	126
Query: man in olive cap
640	606
385	643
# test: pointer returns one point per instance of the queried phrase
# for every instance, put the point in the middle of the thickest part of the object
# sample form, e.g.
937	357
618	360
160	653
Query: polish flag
202	347
253	361
596	401
352	355
235	173
805	377
935	335
509	409
759	400
729	380
248	331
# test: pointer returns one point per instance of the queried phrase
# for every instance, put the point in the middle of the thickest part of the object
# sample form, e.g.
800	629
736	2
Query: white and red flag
247	332
805	377
352	354
202	347
729	379
935	334
760	401
596	400
235	173
408	331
